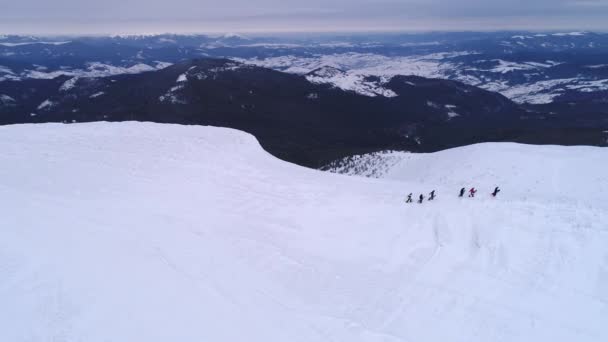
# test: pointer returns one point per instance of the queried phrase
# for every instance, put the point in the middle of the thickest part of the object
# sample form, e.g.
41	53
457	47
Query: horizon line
295	32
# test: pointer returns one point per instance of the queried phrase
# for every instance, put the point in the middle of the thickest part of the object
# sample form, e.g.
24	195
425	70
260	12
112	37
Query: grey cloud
86	16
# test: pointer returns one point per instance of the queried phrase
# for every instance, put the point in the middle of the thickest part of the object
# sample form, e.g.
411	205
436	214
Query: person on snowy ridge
432	195
421	198
409	198
496	191
472	192
462	192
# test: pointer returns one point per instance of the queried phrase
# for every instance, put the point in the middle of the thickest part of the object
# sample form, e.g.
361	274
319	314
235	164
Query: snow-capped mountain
147	232
524	81
335	95
527	67
297	117
92	70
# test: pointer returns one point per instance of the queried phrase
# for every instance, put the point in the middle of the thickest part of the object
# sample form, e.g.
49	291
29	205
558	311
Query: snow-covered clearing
350	81
32	43
46	104
4	99
431	65
148	232
95	69
493	77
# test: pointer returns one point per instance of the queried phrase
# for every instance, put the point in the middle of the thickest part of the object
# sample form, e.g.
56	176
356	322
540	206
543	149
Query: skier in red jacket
472	192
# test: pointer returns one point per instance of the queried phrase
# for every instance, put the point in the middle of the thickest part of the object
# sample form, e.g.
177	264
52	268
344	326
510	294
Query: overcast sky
153	16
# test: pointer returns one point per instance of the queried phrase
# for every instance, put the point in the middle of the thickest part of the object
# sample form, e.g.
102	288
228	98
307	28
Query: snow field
150	232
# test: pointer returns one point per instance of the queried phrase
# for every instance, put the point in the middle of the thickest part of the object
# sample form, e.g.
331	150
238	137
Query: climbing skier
496	191
421	198
409	198
462	192
472	192
432	195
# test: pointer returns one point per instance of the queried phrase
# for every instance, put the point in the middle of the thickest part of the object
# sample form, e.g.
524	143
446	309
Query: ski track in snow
148	232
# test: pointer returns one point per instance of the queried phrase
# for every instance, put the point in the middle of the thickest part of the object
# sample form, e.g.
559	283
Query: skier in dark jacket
432	195
409	198
462	192
496	191
421	198
472	192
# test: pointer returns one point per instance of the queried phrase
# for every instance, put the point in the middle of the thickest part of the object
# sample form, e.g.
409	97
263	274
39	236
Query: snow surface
6	70
356	66
350	81
273	45
33	43
94	69
431	65
232	35
149	232
69	84
597	66
182	78
452	111
504	67
46	104
173	95
545	91
7	74
6	99
564	34
372	165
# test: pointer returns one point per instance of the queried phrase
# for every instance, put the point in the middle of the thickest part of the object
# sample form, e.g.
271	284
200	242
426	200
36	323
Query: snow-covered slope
523	82
147	232
576	174
350	81
95	69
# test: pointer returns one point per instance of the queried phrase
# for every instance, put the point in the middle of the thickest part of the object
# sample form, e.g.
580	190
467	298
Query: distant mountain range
312	100
536	68
297	118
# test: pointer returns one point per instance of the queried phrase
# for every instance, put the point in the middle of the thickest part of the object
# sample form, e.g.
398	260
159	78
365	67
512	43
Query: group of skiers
421	197
432	195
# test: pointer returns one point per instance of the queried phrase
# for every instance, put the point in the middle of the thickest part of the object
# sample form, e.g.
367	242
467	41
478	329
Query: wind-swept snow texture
148	232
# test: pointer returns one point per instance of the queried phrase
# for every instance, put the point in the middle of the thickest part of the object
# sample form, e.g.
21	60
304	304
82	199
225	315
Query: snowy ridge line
208	232
46	105
5	99
33	43
69	84
6	70
372	165
430	65
93	70
344	71
504	67
174	96
96	69
356	67
350	81
545	91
